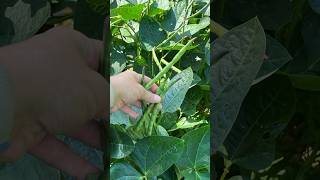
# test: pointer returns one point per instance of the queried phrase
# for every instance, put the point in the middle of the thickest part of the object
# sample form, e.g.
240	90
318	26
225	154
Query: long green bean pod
175	59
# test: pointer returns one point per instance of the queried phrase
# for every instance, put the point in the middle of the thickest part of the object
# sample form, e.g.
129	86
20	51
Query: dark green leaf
267	109
237	58
121	144
196	155
276	57
124	171
153	160
150	33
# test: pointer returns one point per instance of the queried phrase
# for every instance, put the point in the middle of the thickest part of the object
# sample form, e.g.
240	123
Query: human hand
57	91
128	90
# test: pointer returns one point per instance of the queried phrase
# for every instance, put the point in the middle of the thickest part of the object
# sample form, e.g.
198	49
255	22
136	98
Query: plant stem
144	117
225	172
154	115
198	12
175	59
173	67
155	58
218	29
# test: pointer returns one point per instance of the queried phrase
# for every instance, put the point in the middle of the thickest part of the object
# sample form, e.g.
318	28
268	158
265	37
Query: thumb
149	96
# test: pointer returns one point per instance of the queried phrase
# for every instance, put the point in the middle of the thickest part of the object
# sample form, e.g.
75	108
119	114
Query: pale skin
57	90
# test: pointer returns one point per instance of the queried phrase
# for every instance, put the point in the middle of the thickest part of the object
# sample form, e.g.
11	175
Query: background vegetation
265	79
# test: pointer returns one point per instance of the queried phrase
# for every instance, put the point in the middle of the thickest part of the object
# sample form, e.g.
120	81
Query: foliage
167	41
265	98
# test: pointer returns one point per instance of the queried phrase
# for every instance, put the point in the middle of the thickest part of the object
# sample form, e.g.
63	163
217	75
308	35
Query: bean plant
167	41
265	89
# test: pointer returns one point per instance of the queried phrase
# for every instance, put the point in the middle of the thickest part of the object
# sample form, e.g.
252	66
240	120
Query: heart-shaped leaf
195	160
155	154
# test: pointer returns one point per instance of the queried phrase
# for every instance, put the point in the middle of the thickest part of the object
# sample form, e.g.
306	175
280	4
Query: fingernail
156	98
4	146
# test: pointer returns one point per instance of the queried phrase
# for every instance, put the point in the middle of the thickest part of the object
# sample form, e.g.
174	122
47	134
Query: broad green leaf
28	168
121	144
176	93
192	29
153	160
124	171
176	16
168	120
128	12
273	14
161	131
196	156
170	174
20	21
237	58
276	57
191	101
267	109
150	33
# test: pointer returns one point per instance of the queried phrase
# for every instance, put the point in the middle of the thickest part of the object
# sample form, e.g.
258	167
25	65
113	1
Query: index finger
146	79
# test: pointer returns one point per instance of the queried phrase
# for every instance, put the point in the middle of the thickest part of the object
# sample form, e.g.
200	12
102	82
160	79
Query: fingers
90	134
25	134
126	109
149	96
59	155
146	80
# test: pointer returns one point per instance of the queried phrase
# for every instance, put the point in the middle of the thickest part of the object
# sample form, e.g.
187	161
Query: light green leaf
176	93
128	12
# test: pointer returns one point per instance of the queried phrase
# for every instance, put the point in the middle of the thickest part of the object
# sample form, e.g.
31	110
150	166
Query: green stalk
173	67
155	58
154	115
175	59
144	117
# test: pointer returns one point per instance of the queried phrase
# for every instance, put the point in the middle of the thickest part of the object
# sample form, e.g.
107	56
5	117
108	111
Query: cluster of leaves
265	74
167	41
